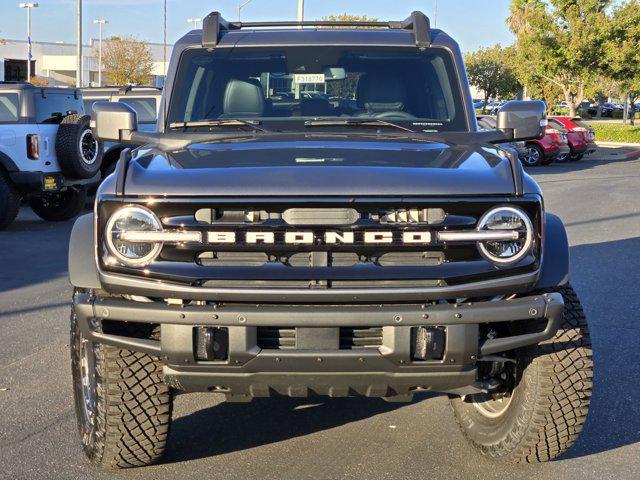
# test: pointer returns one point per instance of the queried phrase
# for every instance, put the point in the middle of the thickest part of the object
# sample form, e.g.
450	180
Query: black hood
320	166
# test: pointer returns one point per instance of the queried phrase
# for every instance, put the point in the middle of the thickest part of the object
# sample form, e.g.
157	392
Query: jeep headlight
506	219
120	236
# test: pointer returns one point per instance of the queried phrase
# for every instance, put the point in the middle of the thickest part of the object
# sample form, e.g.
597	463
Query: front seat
381	92
243	98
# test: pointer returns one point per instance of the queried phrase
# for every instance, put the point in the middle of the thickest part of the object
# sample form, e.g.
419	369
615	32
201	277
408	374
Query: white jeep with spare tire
48	154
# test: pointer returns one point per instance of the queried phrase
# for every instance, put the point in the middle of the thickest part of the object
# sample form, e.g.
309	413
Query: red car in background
545	151
580	135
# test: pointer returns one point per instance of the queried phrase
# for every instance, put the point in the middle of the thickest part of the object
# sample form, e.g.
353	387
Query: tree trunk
569	101
632	113
484	106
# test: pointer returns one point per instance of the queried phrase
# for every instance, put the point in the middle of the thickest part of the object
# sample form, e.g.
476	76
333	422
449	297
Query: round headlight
132	219
506	219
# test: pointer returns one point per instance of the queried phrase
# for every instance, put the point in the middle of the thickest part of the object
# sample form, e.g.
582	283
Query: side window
146	108
556	124
9	107
53	107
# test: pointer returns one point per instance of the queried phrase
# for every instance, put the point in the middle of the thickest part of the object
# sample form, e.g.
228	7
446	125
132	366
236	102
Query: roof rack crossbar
214	24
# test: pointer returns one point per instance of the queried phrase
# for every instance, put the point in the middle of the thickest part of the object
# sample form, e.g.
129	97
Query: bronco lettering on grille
310	238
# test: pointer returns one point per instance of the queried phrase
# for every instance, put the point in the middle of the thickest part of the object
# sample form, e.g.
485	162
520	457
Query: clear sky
473	23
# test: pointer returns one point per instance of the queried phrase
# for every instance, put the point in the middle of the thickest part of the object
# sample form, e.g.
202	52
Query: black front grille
351	338
323	264
360	338
273	338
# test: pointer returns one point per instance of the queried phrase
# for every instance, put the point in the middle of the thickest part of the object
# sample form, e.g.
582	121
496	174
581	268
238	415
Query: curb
616	144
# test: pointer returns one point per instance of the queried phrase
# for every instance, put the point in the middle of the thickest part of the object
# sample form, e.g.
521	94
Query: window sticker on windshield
307	78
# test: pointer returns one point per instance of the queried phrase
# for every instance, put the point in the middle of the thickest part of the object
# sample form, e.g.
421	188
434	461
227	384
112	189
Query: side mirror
520	121
113	122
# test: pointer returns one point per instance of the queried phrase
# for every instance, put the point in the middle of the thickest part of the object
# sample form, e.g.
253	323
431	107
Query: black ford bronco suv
319	214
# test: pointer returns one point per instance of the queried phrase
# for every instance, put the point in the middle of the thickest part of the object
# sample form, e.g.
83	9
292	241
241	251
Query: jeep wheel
541	412
122	405
563	157
79	153
534	156
61	206
576	157
9	201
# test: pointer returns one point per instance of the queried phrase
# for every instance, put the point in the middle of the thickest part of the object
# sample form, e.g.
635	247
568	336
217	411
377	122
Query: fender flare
83	272
555	254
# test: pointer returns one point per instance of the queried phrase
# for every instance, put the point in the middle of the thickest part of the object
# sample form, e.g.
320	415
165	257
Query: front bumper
386	371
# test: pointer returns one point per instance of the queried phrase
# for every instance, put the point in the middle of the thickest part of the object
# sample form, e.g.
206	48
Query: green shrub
614	132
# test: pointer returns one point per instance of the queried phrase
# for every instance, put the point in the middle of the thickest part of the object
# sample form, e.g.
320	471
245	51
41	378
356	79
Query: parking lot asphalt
599	201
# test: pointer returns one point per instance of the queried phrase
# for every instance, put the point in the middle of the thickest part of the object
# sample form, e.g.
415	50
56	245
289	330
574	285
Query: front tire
61	206
122	405
541	417
576	157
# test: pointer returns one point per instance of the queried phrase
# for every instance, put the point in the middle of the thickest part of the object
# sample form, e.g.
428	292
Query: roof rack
214	24
129	88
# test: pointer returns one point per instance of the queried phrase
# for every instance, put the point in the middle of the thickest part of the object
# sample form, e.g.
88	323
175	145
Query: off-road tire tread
12	197
67	151
563	369
134	406
67	212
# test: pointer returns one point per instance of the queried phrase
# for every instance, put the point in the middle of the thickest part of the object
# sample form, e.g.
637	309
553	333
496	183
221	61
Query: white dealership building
57	61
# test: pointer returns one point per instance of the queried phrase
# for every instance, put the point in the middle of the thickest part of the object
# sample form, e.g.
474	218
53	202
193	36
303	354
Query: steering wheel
395	114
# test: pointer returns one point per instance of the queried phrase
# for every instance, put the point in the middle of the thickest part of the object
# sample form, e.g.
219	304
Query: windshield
286	87
9	107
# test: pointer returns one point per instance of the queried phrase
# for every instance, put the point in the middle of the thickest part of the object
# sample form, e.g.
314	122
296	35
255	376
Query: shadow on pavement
606	276
229	427
33	251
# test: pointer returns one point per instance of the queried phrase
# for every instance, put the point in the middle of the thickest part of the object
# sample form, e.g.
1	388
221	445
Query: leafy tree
562	42
489	70
40	81
539	88
127	61
623	51
345	17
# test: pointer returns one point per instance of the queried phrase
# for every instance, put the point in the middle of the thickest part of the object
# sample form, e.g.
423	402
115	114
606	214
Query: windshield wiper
355	123
231	122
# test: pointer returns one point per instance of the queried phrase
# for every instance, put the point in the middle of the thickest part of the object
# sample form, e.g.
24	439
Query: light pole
79	44
435	17
29	6
241	6
100	23
300	10
195	21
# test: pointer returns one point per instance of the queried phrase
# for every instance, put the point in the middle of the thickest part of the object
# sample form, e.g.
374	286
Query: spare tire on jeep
79	153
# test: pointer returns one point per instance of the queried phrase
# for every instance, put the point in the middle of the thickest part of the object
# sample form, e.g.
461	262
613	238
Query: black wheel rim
87	390
88	147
